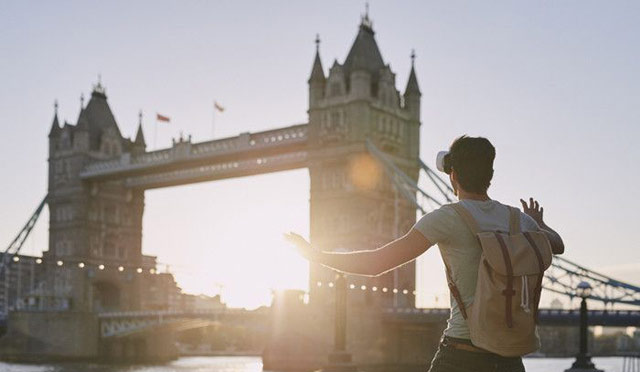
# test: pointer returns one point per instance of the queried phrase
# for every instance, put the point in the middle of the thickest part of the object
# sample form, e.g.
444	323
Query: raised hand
303	246
534	210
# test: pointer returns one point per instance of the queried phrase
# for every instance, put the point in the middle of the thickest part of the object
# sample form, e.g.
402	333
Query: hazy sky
555	85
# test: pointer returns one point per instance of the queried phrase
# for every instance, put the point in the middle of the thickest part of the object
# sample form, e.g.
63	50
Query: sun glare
226	237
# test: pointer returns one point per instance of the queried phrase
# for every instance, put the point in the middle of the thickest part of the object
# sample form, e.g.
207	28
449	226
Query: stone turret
81	135
317	80
55	125
412	92
139	144
363	63
54	132
92	222
353	205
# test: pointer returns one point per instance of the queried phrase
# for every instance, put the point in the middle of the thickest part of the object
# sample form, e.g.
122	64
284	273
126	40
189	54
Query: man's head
471	164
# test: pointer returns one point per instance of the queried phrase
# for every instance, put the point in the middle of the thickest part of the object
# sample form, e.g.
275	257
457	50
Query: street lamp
583	359
340	358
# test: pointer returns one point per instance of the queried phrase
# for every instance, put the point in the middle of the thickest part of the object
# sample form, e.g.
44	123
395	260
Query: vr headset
443	162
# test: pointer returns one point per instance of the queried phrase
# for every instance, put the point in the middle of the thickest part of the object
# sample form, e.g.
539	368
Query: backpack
511	268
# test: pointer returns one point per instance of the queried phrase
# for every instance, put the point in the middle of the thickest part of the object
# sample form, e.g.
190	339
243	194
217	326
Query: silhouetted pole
340	337
583	359
340	359
584	326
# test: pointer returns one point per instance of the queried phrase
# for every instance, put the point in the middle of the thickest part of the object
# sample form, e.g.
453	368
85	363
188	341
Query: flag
162	118
218	106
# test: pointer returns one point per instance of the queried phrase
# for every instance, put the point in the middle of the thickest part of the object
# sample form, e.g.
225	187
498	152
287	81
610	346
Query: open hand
303	246
534	210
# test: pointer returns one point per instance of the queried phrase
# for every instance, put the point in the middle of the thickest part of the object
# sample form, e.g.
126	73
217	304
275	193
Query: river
254	364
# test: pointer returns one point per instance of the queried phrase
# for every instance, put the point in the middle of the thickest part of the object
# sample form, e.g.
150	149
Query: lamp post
583	359
340	358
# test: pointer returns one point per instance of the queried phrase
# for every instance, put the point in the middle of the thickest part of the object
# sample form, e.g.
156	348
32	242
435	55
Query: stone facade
90	222
354	205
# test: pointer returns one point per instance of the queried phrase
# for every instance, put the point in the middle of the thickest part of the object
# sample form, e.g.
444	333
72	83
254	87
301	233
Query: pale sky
555	85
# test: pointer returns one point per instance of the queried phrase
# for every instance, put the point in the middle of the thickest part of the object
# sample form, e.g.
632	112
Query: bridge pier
152	347
50	335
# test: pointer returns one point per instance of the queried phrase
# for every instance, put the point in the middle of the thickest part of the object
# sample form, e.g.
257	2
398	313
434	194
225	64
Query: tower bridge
361	147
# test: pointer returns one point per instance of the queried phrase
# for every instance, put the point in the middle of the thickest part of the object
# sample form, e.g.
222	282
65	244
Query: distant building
560	341
556	304
202	302
612	342
18	276
162	293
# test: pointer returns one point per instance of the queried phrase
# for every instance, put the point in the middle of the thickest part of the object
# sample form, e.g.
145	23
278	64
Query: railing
219	170
560	317
169	313
630	362
122	323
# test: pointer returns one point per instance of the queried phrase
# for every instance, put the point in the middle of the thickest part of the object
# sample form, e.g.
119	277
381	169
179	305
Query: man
470	169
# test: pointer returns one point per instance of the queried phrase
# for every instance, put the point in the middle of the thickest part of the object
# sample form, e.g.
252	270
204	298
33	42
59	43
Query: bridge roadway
125	323
185	162
120	324
547	317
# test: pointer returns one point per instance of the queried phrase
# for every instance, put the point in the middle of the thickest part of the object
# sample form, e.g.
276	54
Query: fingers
524	205
533	204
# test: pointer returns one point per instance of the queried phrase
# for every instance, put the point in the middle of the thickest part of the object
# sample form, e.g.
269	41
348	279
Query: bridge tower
354	206
90	223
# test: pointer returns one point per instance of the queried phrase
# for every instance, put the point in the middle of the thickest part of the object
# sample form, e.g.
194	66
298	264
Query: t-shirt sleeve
437	225
528	223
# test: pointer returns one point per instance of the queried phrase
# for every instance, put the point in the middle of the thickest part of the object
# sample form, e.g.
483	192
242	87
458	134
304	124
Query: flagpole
155	134
213	120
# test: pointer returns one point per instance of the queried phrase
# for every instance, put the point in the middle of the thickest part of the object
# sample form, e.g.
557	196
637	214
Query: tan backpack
502	318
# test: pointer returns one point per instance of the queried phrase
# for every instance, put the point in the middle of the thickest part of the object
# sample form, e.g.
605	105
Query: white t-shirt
461	249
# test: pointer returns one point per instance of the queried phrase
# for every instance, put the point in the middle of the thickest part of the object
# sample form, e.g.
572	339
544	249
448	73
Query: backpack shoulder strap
473	226
514	221
466	217
453	288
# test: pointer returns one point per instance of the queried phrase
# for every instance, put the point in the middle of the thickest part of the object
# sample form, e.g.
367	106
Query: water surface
254	364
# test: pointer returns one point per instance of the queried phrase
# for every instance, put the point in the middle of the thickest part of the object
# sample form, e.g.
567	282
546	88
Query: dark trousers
448	359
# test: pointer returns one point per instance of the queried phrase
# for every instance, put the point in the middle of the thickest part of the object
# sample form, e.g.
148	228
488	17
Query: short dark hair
472	159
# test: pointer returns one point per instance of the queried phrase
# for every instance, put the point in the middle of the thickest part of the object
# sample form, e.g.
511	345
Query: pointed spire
317	72
412	83
365	20
139	135
82	122
364	53
98	89
55	126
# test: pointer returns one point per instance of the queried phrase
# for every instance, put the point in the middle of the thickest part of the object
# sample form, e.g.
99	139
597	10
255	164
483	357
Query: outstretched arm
370	262
536	212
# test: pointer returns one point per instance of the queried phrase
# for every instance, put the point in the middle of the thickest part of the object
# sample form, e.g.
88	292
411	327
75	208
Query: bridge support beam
151	347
